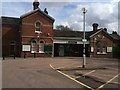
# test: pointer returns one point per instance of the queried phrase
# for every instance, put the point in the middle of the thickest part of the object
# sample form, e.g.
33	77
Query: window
37	27
33	47
41	47
37	47
101	48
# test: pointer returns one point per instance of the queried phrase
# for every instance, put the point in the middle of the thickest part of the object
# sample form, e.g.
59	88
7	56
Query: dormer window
38	27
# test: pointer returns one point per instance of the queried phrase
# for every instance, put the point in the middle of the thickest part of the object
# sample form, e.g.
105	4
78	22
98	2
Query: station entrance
70	50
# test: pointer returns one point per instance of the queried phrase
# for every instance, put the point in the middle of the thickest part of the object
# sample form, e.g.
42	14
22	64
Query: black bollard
24	55
34	55
3	57
14	56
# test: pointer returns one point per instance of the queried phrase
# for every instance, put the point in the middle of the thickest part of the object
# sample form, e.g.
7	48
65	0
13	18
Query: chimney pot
35	4
95	26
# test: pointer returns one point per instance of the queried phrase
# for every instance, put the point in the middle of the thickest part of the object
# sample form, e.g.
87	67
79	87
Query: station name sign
72	42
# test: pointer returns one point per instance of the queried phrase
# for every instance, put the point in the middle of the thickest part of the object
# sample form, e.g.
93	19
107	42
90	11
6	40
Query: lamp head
84	10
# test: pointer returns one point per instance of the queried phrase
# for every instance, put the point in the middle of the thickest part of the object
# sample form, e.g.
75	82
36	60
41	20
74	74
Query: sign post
84	40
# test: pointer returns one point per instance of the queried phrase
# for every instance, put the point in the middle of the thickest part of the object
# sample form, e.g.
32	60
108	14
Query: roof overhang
68	40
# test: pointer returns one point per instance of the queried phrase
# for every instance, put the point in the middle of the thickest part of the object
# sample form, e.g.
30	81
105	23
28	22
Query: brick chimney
35	4
95	26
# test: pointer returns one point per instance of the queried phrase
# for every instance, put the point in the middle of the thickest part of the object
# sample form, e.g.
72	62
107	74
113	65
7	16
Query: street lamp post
84	40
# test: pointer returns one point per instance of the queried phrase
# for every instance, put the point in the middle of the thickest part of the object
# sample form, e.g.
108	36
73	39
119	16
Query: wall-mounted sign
72	42
109	49
84	40
25	47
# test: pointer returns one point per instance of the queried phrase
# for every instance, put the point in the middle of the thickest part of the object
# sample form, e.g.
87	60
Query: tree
64	28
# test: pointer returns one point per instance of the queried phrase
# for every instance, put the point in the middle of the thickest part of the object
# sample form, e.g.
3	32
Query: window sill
39	32
38	52
101	53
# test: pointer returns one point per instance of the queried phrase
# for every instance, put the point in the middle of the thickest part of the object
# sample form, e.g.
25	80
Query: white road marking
72	78
86	73
108	81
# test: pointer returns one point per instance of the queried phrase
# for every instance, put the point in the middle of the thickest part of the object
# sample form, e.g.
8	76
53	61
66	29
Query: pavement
61	72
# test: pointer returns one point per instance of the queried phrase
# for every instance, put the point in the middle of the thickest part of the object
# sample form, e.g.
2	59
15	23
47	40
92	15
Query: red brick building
29	35
32	35
99	43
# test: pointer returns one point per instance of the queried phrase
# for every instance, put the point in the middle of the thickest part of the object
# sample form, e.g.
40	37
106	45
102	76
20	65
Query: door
61	50
12	48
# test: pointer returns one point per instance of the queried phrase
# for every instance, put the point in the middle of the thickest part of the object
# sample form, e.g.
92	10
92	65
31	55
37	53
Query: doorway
12	48
61	50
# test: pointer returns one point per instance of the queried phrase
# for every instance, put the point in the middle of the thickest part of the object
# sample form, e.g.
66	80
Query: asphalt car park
61	72
99	74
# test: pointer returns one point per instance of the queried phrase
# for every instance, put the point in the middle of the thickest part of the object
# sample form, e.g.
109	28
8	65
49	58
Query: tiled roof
63	33
77	34
115	36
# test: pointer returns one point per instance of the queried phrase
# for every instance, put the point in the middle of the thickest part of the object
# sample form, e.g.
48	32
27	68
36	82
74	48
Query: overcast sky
68	12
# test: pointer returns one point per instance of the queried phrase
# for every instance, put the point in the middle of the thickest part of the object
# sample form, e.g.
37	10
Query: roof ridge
33	11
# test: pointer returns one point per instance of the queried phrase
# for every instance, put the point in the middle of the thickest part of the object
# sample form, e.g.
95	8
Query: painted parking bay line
72	78
108	81
86	73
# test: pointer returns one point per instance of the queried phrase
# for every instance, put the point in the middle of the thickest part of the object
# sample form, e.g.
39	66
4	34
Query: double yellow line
72	78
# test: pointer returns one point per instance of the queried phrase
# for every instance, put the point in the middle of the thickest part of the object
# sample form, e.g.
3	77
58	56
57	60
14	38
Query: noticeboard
25	47
109	49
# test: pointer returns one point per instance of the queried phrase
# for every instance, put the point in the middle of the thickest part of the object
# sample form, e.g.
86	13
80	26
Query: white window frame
41	47
33	47
109	49
38	27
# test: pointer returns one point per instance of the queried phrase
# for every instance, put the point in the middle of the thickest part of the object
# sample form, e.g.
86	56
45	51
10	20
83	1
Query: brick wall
104	39
10	33
28	30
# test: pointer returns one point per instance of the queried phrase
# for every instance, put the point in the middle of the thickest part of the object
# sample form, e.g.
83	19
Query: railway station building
32	35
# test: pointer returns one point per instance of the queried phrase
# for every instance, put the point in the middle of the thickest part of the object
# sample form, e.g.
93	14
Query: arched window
101	48
41	47
37	27
37	46
33	46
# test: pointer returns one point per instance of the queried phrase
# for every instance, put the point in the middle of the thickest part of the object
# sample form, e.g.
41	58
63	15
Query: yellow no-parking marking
72	78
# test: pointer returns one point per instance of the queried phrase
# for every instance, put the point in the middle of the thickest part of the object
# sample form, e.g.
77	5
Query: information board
25	47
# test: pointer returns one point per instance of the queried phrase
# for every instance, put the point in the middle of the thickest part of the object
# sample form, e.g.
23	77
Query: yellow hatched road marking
87	73
108	81
72	78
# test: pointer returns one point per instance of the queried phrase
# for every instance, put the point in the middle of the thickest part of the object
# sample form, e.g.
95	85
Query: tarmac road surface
33	73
